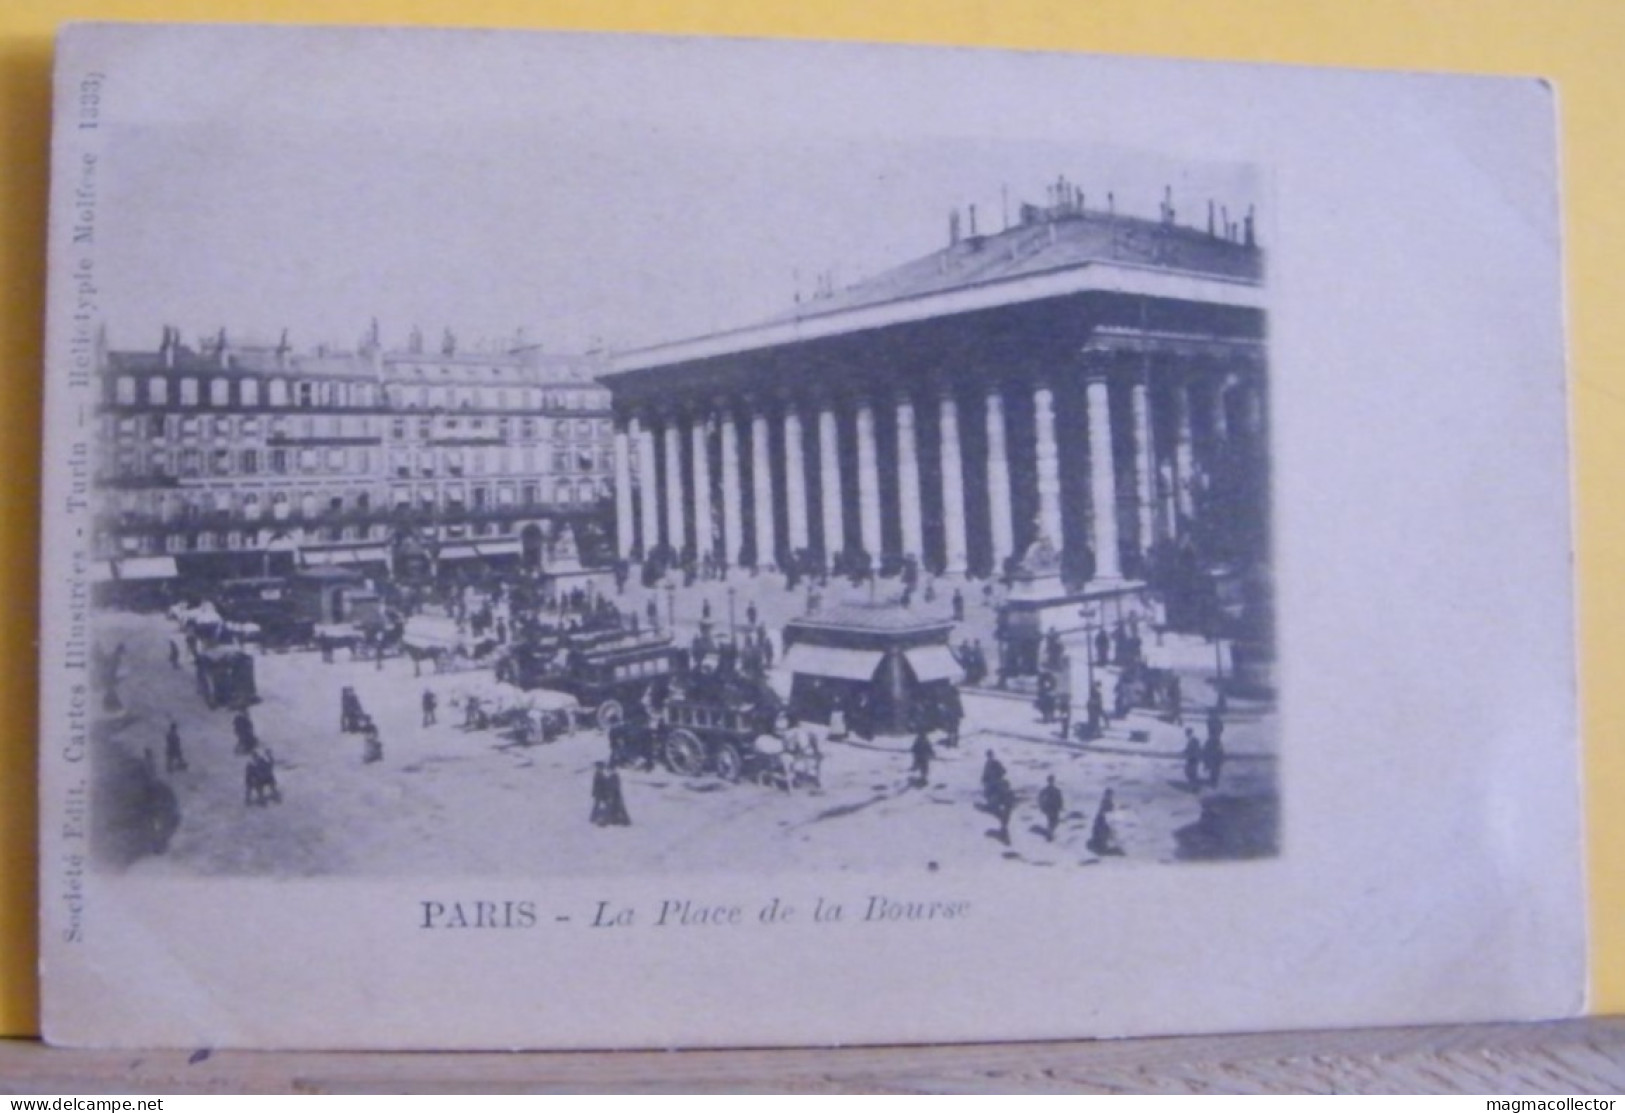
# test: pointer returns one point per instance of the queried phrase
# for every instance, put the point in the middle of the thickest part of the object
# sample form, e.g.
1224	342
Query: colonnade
1109	456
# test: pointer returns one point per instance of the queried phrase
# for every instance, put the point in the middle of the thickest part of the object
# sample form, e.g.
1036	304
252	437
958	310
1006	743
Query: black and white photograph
635	490
963	558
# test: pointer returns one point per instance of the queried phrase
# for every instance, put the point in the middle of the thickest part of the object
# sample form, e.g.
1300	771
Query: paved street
446	800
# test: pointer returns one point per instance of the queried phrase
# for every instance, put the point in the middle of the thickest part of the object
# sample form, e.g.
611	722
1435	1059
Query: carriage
526	717
725	726
607	674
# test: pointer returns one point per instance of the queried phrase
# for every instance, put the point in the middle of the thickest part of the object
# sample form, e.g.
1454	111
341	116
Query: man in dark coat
993	776
247	742
922	752
1102	838
1050	803
1193	760
174	760
1213	757
430	703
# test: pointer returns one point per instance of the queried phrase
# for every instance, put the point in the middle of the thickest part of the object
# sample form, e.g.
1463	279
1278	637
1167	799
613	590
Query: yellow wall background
1578	44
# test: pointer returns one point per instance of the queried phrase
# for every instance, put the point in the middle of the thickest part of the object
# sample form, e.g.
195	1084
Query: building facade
225	459
1088	378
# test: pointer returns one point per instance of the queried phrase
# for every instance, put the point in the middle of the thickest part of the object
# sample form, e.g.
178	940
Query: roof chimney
953	226
220	348
1210	216
1250	240
973	220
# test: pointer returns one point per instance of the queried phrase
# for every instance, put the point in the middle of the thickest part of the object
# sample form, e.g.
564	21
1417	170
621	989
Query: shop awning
146	568
933	662
833	662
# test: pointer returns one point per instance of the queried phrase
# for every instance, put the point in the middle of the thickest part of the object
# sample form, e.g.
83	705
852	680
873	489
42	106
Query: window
189	427
251	426
527	494
527	428
155	427
279	461
158	463
124	390
219	392
561	492
157	391
400	463
251	507
248	392
222	426
397	429
306	395
251	461
308	459
220	462
279	392
335	459
191	462
481	498
188	392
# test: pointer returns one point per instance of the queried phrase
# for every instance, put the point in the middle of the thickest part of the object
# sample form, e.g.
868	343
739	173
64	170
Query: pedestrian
430	703
243	726
1046	696
1050	803
608	805
1103	647
922	753
1193	760
1213	757
1102	837
1176	700
174	654
174	760
372	745
992	775
1215	725
1097	710
1002	803
750	615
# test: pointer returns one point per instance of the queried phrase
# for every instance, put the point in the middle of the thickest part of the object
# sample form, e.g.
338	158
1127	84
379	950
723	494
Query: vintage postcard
590	541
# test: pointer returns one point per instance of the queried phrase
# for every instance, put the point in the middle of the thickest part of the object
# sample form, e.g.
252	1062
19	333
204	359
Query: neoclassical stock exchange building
1089	378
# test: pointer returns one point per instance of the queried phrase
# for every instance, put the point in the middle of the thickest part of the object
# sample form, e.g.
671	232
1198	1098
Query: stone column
672	435
956	557
795	481
704	529
1184	458
1102	480
733	518
761	490
1049	467
998	483
868	482
648	485
624	539
908	481
1145	473
829	481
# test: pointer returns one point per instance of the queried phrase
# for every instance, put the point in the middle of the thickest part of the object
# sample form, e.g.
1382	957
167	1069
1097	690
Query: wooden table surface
1556	1059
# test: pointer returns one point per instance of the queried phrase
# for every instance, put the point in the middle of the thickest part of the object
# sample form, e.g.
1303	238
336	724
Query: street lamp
671	607
732	629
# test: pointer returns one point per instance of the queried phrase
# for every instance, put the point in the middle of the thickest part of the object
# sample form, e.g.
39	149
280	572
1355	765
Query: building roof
1038	245
1051	253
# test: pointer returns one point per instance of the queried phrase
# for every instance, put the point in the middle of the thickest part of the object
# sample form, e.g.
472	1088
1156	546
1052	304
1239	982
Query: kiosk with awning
888	668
